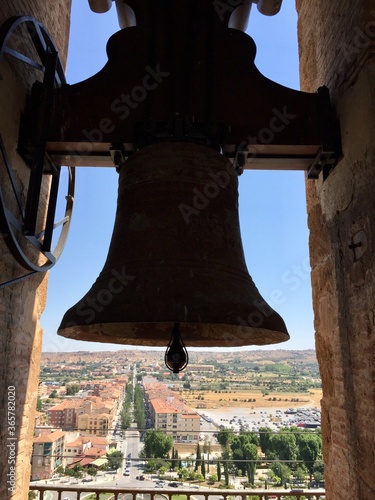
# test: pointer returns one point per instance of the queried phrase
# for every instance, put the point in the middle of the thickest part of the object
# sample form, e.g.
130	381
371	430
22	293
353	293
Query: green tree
183	473
250	454
139	407
91	471
203	468
115	459
213	478
265	434
125	415
156	444
226	465
218	468
176	459
282	471
39	405
198	457
284	446
68	472
72	389
245	453
309	450
195	476
207	447
53	394
300	473
319	471
60	470
77	471
162	470
225	438
157	465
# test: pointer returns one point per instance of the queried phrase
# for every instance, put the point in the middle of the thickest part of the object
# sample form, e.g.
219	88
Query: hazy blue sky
272	204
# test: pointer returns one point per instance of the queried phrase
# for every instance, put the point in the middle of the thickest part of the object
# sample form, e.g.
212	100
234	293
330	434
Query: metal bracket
117	154
324	161
180	128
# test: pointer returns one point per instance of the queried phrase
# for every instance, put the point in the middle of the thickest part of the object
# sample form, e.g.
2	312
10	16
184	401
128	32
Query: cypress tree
218	467
198	457
203	469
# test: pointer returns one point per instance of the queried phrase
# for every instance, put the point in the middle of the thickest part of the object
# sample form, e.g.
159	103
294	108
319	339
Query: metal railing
168	493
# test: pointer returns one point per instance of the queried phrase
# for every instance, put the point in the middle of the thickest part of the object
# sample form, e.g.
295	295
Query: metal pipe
240	16
100	6
125	14
269	7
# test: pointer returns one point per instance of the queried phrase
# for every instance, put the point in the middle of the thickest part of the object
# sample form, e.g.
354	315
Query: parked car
173	484
140	478
159	484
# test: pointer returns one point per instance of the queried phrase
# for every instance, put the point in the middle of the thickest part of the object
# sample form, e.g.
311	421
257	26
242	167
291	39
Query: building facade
64	414
48	454
97	424
182	424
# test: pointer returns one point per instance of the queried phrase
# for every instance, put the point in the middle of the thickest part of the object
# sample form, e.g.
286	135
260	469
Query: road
131	447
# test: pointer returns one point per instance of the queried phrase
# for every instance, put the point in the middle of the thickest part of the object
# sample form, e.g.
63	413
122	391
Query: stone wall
336	42
21	303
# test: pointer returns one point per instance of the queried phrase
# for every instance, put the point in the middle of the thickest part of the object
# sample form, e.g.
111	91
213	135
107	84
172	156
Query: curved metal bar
13	227
40	37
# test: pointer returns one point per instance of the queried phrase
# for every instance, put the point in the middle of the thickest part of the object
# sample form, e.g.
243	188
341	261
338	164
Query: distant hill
129	356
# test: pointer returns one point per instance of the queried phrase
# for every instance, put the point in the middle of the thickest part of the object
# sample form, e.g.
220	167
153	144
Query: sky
273	215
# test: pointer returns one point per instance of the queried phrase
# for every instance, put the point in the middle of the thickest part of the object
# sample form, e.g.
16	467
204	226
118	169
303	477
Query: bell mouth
193	334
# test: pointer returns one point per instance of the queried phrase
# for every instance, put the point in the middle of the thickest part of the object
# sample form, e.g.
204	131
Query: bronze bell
176	257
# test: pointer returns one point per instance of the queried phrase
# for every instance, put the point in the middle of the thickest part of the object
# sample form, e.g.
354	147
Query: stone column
336	42
21	303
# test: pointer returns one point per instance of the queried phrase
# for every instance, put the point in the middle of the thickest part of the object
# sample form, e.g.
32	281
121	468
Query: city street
130	445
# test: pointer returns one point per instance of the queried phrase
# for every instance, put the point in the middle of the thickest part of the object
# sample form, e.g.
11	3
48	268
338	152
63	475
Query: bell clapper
176	356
